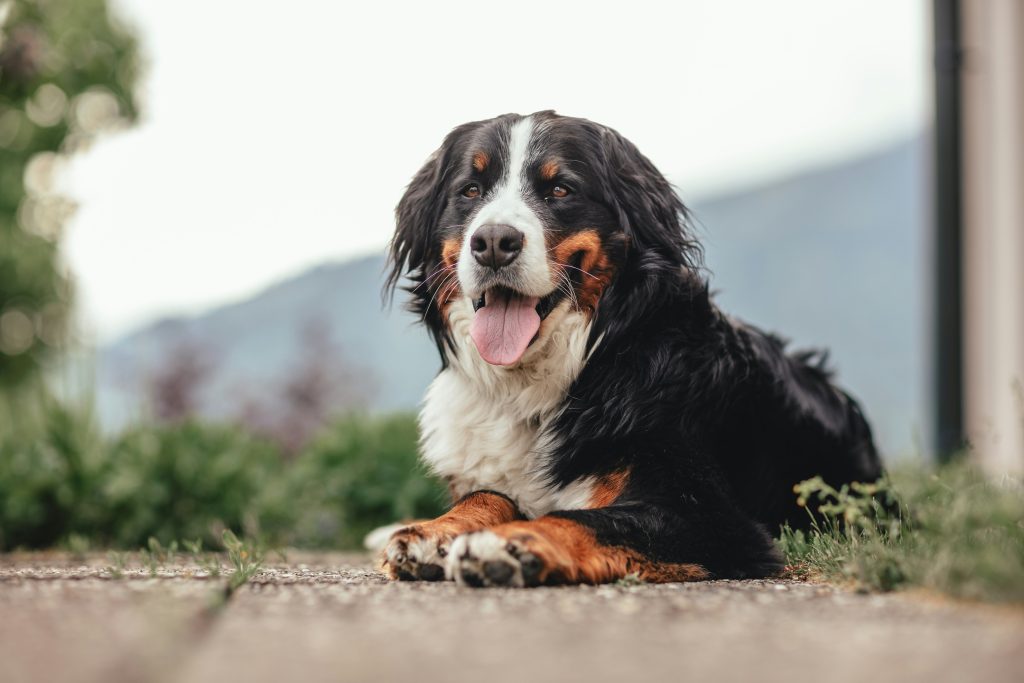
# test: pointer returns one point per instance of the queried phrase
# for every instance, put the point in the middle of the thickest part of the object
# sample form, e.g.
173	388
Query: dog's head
520	217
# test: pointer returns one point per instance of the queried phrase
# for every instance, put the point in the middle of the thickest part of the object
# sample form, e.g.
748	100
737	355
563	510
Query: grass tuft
951	530
246	559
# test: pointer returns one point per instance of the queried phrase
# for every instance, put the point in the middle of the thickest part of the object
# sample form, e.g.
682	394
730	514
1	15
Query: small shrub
184	481
64	483
954	531
361	473
51	459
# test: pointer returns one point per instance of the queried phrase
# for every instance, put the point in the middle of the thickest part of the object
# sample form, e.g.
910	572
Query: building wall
993	239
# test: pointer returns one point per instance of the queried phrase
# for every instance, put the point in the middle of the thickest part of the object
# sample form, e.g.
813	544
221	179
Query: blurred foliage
61	480
952	530
67	72
361	473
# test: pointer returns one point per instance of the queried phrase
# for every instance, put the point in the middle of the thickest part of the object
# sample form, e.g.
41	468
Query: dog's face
524	216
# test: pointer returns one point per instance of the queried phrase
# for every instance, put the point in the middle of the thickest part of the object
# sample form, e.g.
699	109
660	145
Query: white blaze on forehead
506	204
518	154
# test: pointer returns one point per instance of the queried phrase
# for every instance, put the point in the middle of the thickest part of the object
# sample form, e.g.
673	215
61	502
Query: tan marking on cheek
548	170
446	285
608	488
595	264
480	161
570	553
450	252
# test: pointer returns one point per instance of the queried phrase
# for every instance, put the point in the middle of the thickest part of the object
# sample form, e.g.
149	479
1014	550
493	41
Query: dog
596	415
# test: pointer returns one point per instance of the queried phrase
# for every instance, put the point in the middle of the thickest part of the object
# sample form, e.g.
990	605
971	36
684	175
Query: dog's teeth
478	304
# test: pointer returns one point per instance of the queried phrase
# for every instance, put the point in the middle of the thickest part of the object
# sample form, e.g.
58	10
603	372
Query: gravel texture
331	617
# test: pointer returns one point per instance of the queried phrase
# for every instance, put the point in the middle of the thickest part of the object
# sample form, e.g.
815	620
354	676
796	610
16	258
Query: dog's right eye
472	191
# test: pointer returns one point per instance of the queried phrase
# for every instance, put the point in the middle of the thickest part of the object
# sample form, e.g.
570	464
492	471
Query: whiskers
566	265
433	276
564	285
587	273
443	282
448	285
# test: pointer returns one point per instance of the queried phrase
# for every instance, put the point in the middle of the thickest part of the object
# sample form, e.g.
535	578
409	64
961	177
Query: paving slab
332	617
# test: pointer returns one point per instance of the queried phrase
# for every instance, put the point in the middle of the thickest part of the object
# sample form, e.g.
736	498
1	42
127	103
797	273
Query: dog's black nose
496	246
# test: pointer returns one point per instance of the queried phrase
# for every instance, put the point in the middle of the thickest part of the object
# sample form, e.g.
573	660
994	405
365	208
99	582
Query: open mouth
506	322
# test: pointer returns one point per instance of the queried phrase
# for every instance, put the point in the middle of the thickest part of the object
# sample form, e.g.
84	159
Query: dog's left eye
559	191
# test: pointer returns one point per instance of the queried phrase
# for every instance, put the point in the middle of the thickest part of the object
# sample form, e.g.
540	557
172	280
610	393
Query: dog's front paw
416	553
483	558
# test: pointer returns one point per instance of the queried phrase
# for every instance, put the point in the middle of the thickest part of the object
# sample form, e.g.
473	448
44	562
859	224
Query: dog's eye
471	191
559	191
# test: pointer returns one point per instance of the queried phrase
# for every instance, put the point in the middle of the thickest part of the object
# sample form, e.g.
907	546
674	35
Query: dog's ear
415	245
416	218
649	210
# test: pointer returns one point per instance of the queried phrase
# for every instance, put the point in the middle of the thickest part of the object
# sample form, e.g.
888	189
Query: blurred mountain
252	346
832	258
836	258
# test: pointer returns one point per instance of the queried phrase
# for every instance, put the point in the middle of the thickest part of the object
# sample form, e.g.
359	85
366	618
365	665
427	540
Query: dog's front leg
601	545
419	551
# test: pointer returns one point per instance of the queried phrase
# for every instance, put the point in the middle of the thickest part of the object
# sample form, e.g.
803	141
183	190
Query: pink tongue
504	327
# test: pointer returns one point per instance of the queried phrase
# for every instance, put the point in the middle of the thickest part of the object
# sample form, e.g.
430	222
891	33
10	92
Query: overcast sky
279	135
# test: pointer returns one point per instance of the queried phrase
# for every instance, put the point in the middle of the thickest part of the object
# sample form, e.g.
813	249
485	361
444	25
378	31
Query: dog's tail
378	538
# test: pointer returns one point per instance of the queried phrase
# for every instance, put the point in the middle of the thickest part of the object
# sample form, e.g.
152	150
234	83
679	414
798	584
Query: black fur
714	420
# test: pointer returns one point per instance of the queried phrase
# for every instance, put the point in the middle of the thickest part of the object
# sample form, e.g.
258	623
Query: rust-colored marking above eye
480	161
549	169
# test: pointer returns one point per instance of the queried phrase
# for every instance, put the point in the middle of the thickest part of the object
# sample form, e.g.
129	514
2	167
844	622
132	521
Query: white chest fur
486	427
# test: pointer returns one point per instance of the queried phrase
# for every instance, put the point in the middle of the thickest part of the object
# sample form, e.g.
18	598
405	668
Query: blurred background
195	199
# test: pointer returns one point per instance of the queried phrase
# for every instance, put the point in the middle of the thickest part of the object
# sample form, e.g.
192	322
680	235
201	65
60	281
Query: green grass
950	530
246	560
244	557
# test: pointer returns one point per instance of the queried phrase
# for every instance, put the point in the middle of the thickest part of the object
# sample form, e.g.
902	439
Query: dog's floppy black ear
415	246
649	210
416	218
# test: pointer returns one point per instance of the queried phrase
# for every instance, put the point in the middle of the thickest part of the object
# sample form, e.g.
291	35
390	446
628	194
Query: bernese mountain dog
596	415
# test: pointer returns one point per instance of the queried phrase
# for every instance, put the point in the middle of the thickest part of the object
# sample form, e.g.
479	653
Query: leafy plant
954	531
245	558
